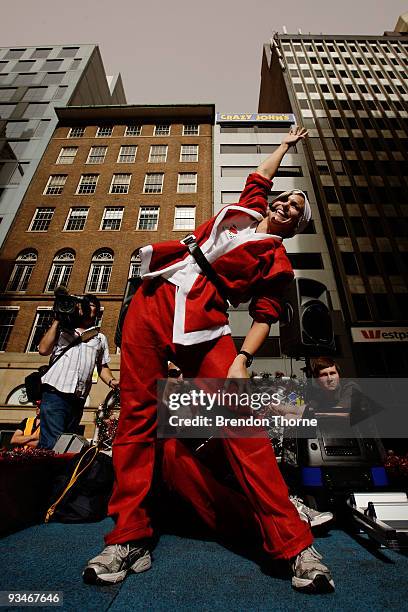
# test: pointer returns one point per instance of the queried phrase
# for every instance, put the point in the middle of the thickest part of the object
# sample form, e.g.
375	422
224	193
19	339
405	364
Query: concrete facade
33	81
241	142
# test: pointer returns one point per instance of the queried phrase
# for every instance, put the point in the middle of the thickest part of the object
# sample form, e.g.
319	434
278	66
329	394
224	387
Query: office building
241	142
33	81
351	93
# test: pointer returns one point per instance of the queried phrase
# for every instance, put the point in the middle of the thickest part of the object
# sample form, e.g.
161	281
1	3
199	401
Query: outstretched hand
296	133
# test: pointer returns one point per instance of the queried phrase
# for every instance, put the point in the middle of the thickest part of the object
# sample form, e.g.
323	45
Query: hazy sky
185	51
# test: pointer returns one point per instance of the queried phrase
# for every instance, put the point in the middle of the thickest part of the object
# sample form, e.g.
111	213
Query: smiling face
283	215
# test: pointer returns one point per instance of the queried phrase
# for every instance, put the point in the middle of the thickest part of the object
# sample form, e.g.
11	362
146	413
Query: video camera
70	310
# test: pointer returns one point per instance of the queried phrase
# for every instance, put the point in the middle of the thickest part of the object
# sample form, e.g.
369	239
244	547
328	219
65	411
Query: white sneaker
310	575
313	517
115	562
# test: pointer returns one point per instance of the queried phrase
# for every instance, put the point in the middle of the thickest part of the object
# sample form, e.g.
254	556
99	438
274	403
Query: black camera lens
173	373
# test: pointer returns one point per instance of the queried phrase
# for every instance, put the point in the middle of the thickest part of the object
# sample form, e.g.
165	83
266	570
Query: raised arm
269	167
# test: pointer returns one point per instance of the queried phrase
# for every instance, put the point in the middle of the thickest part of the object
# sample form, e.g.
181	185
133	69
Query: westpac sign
379	334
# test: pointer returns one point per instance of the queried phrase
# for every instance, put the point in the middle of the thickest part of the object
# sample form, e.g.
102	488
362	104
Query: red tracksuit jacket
249	265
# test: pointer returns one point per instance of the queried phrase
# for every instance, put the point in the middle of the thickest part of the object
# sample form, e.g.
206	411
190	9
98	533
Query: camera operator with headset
76	346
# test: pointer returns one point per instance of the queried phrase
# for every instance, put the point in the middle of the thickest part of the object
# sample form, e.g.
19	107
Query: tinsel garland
397	466
26	455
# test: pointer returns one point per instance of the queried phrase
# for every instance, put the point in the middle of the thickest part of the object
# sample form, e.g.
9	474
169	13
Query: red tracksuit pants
147	340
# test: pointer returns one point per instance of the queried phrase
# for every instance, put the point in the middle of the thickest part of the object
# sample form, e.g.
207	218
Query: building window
112	218
158	153
104	131
162	129
322	167
14	54
350	263
135	265
22	271
339	226
42	323
41	220
184	218
240	149
389	263
7	319
189	153
68	52
370	264
383	306
187	182
376	226
148	218
76	132
398	227
7	93
306	261
153	182
23	66
358	226
127	154
6	110
87	184
53	78
120	183
67	155
61	270
35	110
100	272
33	94
55	184
52	64
76	219
96	155
191	129
133	130
361	307
347	193
330	194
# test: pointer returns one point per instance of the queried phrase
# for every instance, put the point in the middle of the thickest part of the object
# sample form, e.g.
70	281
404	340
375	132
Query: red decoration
397	467
26	455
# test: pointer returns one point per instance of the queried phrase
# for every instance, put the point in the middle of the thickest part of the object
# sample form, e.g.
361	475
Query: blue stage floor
197	575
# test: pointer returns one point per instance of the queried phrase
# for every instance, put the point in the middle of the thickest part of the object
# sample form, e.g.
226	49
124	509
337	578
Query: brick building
112	179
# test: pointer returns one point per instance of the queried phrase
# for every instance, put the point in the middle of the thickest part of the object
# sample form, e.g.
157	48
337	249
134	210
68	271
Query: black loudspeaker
69	443
132	286
306	328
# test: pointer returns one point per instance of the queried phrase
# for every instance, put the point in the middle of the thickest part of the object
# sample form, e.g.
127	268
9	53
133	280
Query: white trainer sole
90	576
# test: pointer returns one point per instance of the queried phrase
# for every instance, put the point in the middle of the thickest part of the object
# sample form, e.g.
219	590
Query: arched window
22	271
100	271
135	263
60	270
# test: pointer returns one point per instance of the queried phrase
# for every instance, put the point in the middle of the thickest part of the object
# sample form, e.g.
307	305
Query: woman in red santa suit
179	311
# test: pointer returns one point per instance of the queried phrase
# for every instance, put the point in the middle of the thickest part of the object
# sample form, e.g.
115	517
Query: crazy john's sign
254	117
379	334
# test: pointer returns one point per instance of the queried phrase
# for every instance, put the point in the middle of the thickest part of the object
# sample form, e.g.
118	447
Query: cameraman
67	384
